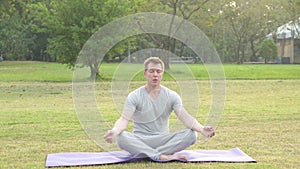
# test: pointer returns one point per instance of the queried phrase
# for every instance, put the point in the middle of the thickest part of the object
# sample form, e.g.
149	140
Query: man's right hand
120	125
110	136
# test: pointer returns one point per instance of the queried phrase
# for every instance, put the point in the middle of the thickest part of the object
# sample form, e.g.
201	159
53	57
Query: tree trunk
238	53
243	54
253	55
94	67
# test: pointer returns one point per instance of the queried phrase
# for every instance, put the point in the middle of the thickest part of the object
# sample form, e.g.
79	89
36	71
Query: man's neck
153	91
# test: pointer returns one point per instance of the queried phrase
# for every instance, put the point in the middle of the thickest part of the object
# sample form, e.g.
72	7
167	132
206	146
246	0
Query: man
149	107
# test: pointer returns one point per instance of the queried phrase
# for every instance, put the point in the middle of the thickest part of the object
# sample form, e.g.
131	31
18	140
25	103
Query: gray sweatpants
141	146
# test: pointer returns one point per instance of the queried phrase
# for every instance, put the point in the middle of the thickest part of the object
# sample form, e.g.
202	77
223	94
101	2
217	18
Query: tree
182	8
15	35
238	27
70	23
236	19
268	50
185	9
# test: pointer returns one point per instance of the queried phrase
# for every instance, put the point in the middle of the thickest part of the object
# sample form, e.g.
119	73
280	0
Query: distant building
287	39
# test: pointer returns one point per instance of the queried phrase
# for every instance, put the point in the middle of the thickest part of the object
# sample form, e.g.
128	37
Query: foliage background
55	30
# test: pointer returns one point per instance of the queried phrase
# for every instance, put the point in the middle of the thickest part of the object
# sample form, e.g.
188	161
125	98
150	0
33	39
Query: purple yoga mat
234	155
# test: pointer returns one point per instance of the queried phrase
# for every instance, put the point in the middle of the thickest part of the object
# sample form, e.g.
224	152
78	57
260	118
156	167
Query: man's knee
191	136
122	139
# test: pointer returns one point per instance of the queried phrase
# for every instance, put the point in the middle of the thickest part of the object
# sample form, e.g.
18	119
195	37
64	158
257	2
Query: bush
268	50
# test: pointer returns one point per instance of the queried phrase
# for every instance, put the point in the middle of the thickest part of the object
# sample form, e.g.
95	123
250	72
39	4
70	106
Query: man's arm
120	125
192	123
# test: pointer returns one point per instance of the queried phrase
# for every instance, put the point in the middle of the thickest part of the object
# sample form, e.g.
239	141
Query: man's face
154	74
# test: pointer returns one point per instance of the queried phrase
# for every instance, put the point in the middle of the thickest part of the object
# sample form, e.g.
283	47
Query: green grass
34	71
261	115
53	72
231	71
256	72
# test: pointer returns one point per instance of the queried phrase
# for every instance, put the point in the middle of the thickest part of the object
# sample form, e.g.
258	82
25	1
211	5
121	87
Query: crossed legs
157	147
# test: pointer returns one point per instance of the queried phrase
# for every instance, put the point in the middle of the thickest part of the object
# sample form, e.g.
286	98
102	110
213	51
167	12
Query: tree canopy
55	30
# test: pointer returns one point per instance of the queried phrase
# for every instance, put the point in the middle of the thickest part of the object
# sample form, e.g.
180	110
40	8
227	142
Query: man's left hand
208	131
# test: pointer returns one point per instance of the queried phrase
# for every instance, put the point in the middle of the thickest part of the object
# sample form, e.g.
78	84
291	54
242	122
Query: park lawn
34	71
54	72
231	71
37	114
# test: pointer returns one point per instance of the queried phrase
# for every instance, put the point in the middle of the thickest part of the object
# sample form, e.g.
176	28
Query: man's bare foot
181	157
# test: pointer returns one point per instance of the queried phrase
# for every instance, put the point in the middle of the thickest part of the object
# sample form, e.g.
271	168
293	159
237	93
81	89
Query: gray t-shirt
151	116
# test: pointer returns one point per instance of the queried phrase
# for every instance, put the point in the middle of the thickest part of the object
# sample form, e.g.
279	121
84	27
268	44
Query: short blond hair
154	60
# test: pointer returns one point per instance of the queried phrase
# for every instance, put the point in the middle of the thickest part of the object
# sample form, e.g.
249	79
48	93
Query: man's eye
153	70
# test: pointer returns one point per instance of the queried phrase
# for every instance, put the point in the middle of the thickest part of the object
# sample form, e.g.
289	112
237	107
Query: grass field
261	117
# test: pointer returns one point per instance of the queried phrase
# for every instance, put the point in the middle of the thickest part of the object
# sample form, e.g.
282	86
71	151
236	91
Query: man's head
154	68
154	60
